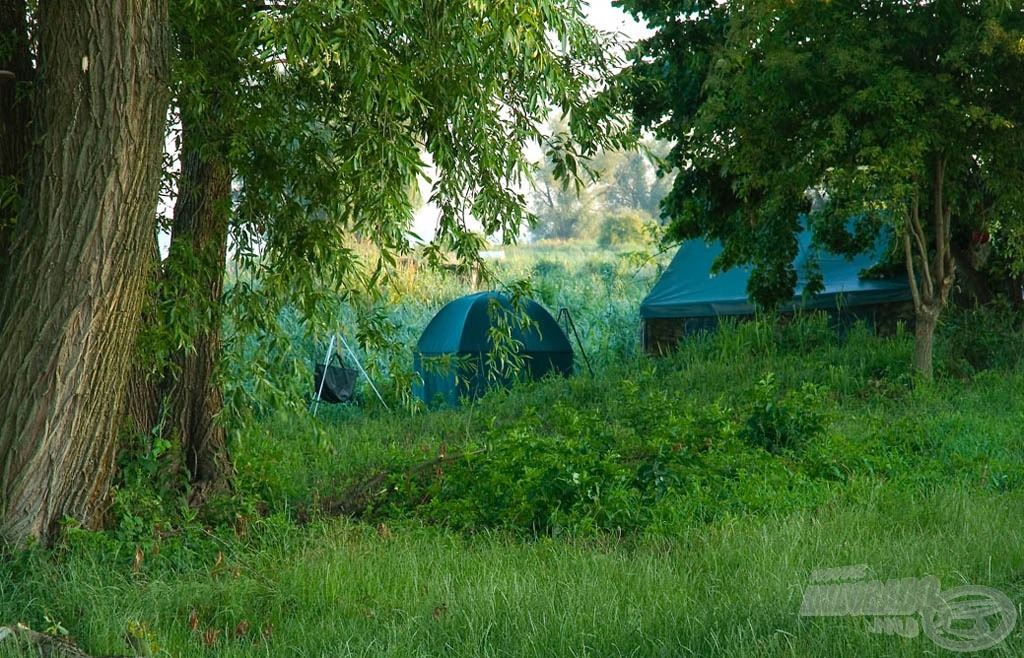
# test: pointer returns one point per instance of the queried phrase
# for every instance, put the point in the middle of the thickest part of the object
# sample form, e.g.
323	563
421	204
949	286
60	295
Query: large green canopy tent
453	355
689	298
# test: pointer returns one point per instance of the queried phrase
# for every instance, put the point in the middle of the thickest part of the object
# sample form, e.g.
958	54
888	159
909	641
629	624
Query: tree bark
195	271
184	399
142	395
69	312
930	290
925	320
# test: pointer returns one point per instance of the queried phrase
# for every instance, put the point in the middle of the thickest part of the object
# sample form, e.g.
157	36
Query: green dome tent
452	356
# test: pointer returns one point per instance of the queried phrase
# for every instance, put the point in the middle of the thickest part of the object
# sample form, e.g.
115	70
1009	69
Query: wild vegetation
294	131
167	489
900	116
659	506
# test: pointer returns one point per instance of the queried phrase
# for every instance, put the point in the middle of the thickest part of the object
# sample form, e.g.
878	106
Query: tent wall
451	357
689	298
662	335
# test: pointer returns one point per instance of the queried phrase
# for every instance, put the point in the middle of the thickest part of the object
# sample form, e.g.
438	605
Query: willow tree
175	390
905	115
75	262
303	127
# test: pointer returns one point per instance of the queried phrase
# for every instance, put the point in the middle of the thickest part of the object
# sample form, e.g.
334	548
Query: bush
625	227
582	457
971	340
785	422
644	445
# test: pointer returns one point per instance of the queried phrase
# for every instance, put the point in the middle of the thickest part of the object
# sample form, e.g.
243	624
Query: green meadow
669	506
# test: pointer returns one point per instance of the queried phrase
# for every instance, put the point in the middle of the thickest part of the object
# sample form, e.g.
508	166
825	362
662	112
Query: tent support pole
320	389
361	369
564	311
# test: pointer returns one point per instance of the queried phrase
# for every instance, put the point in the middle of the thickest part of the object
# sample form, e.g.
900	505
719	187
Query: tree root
46	645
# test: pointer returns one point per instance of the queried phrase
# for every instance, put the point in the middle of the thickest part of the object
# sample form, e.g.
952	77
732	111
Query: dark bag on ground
339	382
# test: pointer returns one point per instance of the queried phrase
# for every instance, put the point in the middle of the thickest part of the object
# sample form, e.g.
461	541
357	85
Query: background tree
904	115
634	179
564	209
624	227
623	183
323	116
70	302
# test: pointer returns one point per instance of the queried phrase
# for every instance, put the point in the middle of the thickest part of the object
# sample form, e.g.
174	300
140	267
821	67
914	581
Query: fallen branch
354	500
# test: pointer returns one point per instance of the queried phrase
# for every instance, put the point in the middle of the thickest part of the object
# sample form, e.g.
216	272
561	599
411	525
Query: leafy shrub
559	465
149	488
645	445
785	422
641	457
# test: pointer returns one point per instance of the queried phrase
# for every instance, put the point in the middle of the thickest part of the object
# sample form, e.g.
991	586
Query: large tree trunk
15	79
70	308
195	271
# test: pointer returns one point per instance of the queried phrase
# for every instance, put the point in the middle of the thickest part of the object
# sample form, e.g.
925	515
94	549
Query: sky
603	15
599	13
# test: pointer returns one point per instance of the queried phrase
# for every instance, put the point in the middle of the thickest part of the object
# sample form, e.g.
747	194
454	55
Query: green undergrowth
270	368
755	419
664	507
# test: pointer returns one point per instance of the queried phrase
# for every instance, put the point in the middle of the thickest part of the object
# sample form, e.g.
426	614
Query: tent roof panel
461	327
687	289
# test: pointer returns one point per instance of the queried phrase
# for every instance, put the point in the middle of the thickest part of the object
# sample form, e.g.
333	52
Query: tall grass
731	588
878	423
601	288
783	450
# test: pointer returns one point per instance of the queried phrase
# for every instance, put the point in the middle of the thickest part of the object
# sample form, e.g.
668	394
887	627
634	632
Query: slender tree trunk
70	308
195	268
930	285
142	397
925	320
16	75
185	399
